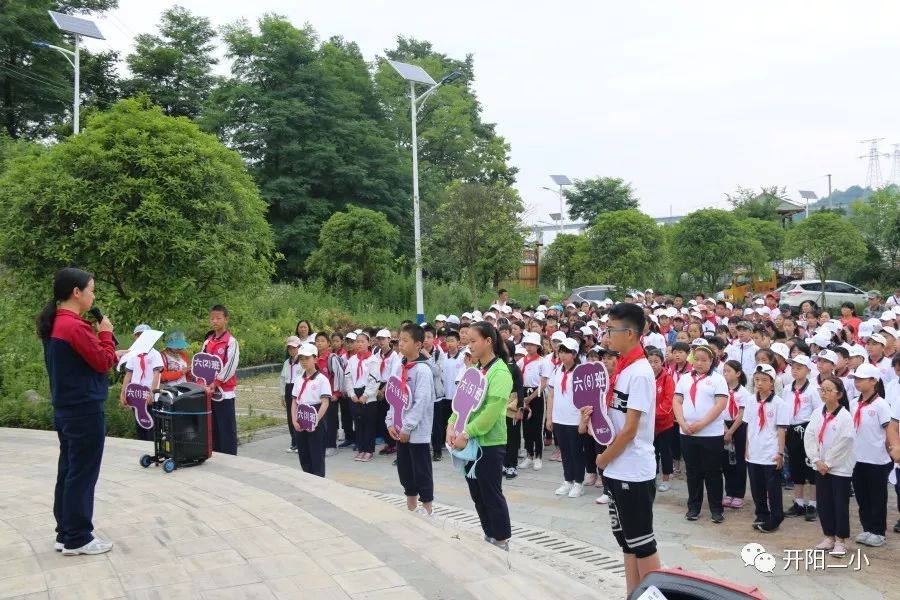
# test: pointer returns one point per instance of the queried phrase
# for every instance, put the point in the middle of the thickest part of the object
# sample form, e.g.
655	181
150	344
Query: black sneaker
795	511
788	485
811	513
897	526
437	457
762	527
692	515
718	518
512	473
346	444
757	522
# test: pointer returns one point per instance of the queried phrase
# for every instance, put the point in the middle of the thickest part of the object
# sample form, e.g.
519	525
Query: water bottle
732	455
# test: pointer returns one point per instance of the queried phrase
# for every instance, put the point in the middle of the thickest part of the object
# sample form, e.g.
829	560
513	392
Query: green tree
174	68
557	262
164	216
356	248
626	248
306	118
758	205
711	243
770	234
36	83
477	236
590	198
827	242
878	220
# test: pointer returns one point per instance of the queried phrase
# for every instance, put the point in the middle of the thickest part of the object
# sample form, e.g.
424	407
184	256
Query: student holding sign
143	370
486	425
412	430
563	419
219	342
311	389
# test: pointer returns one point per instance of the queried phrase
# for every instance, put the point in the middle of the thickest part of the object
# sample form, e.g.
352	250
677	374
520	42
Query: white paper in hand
141	345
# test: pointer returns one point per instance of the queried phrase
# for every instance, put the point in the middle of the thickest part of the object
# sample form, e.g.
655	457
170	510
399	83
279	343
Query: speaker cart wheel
169	466
146	461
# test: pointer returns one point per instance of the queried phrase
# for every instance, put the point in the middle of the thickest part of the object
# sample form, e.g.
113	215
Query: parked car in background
836	293
591	293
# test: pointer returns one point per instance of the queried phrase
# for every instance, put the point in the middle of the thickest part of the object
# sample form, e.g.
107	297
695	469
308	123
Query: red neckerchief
303	386
828	418
733	407
404	370
761	414
143	358
857	416
696	381
565	378
528	360
384	359
555	361
633	355
797	394
361	357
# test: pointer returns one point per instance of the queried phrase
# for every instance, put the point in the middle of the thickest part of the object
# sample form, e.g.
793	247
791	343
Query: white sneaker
863	538
664	486
603	499
59	546
422	511
330	451
538	464
291	449
875	540
526	463
564	489
522	453
577	491
95	546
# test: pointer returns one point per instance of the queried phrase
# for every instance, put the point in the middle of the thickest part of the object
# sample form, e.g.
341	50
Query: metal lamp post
415	74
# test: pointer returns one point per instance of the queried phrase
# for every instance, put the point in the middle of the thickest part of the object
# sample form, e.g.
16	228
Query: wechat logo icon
755	555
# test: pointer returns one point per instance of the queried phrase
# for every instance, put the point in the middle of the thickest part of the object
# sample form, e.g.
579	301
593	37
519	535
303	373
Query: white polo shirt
635	390
695	408
762	441
742	398
316	387
869	440
564	411
152	362
533	369
802	401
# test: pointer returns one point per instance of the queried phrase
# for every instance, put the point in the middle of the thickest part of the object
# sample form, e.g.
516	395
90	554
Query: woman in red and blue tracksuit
77	362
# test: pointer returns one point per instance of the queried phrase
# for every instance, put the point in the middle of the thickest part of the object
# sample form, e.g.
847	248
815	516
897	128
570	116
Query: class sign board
590	383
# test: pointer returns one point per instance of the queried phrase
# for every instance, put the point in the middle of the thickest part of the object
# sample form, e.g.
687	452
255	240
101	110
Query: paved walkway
241	528
700	546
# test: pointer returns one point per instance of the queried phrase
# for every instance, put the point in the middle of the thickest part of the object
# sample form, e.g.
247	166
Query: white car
797	292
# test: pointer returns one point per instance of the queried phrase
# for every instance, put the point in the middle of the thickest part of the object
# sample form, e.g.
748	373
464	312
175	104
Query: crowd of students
760	396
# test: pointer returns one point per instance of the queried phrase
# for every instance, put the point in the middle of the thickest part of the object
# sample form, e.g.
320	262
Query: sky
684	100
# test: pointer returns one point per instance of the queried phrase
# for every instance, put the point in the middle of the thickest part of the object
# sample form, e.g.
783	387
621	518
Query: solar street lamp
77	27
808	195
415	74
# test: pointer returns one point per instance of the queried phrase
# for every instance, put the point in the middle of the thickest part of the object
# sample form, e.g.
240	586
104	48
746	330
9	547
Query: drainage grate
547	546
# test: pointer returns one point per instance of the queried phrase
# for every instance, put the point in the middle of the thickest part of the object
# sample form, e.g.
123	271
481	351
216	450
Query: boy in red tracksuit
221	343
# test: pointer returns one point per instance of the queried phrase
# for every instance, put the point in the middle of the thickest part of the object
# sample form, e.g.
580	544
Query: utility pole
873	175
830	202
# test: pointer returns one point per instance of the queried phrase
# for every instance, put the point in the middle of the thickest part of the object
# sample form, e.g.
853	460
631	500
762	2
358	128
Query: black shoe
788	485
765	529
511	473
758	522
437	457
718	518
795	511
897	527
811	513
692	515
346	444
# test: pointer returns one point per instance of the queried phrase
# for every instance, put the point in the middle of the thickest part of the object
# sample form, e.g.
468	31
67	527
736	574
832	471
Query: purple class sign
398	397
204	368
468	397
590	382
307	417
138	397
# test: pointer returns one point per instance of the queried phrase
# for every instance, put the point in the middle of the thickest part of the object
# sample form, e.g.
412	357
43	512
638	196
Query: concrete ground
241	528
700	546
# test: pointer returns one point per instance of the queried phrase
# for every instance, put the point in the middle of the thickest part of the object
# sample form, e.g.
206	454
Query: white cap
582	314
671	311
489	315
141	328
888	315
890	330
604	318
476	315
440	318
453	319
293	341
350	336
865	330
802	359
692	302
466	315
557	336
748	311
709	301
357	331
767	369
699	342
520	349
608	301
570	305
541	308
505	309
585	330
781	350
759	302
495	307
729	306
531	337
867	371
878	339
383	333
829	355
654	319
308	350
821	340
859	351
539	316
875	323
648	291
762	311
570	344
593	324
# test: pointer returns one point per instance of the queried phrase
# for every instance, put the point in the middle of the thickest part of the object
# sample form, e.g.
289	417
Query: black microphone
98	316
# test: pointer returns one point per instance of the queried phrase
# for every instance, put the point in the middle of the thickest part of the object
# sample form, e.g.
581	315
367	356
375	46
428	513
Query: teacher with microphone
77	361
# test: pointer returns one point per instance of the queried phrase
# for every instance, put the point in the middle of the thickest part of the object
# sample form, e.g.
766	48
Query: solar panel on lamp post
561	180
77	27
808	195
415	74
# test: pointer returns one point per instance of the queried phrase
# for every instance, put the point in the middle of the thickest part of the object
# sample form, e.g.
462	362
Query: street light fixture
415	74
808	195
560	180
77	27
